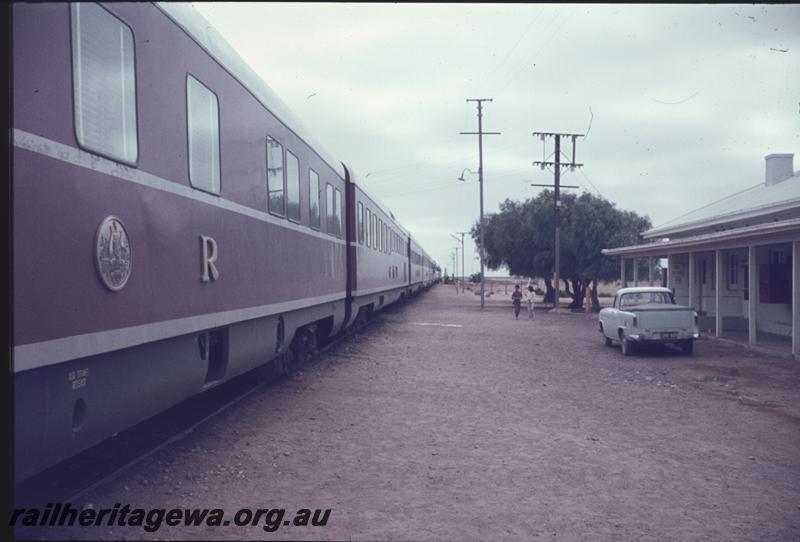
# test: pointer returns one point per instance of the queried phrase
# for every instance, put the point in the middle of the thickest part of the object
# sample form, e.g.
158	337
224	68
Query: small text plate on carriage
113	253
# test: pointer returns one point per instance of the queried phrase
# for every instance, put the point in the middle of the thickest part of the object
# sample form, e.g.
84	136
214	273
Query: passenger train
173	225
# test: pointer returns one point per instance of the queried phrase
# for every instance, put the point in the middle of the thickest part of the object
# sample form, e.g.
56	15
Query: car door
608	317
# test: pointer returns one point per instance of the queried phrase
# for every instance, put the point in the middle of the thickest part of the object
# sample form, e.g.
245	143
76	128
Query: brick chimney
779	167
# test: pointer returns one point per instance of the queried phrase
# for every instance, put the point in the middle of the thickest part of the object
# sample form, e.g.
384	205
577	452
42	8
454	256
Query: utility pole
463	269
480	133
557	165
456	267
453	259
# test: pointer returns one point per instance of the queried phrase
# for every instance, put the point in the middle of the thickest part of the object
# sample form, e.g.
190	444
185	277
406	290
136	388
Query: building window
360	223
337	209
732	270
775	278
203	118
275	193
713	271
746	282
313	199
292	187
104	83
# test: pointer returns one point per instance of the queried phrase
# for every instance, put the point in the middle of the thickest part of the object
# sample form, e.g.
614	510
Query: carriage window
292	187
104	83
313	198
329	227
360	223
374	227
203	118
367	229
276	200
337	209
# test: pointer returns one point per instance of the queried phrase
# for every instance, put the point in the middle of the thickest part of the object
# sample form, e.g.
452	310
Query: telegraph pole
557	165
456	267
453	260
480	133
463	269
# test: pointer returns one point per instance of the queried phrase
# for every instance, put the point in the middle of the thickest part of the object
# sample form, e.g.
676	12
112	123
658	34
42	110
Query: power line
440	187
540	38
508	54
591	183
532	57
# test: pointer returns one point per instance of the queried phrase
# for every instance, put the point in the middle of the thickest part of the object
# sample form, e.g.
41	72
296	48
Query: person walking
516	299
529	298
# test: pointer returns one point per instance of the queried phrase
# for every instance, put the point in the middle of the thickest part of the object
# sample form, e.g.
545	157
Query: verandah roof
769	233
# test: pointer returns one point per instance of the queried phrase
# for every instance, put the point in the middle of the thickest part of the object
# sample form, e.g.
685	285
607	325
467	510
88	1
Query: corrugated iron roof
707	240
753	202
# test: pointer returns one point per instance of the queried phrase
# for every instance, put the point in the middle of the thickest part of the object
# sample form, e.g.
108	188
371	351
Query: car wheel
687	347
627	346
606	340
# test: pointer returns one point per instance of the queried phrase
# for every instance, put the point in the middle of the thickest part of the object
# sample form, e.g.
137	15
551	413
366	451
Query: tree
521	237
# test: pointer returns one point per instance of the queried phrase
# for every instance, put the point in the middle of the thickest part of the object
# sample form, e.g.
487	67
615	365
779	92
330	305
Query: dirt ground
488	428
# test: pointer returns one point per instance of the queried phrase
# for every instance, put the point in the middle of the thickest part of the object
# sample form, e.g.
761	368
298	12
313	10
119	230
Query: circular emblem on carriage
113	253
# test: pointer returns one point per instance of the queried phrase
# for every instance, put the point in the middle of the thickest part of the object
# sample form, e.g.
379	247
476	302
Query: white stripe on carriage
434	324
77	157
41	354
379	289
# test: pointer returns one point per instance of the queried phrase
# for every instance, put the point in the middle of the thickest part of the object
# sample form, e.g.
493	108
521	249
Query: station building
736	261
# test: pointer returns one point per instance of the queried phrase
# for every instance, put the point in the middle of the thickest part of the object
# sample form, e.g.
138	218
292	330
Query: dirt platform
442	422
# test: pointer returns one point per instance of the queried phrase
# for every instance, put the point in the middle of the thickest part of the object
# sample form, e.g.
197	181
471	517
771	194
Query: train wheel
304	345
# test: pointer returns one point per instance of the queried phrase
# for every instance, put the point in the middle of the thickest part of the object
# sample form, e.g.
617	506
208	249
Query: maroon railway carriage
173	225
379	248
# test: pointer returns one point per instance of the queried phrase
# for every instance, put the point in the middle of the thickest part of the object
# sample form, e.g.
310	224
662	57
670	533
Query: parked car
648	315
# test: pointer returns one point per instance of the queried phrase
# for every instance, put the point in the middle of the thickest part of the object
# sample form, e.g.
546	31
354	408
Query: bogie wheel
687	347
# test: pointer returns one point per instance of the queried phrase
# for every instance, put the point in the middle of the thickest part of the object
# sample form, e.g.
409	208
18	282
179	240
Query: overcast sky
680	103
